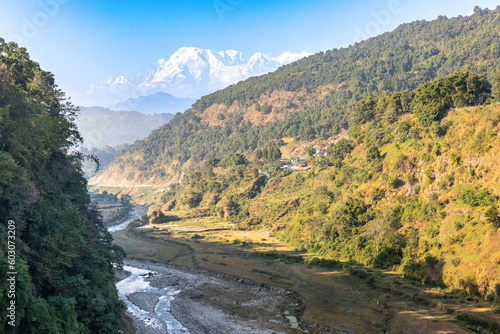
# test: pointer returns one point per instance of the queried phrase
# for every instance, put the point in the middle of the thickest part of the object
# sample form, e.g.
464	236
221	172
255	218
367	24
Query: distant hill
100	126
158	103
104	155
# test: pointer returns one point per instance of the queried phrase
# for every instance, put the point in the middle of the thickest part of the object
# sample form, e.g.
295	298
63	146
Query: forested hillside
60	255
100	126
415	188
321	91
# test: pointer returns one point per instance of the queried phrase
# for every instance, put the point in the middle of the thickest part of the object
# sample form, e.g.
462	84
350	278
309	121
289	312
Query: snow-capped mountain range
189	72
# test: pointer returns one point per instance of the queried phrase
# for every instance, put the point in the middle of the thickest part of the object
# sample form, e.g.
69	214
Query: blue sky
84	42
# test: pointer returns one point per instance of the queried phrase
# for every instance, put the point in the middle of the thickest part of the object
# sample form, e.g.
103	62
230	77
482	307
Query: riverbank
136	212
330	295
204	301
176	299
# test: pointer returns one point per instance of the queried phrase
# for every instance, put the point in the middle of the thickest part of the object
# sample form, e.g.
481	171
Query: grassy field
347	297
109	210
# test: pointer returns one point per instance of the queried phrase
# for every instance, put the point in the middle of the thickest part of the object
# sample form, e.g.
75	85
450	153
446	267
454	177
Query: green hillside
55	250
319	95
402	59
401	193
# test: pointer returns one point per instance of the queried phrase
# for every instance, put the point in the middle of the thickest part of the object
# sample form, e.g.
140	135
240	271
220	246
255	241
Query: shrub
394	182
456	159
323	192
477	198
378	194
458	226
437	150
402	163
371	282
340	149
476	322
391	252
446	182
431	261
373	154
492	216
347	269
428	114
437	129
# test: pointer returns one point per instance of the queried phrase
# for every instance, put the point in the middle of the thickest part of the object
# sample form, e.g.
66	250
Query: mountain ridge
101	126
157	103
190	73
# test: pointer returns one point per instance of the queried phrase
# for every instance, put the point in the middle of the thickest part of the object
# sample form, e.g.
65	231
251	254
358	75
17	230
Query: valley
352	190
393	232
332	297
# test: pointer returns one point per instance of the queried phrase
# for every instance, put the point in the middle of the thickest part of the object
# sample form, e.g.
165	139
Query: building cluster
320	153
289	165
294	168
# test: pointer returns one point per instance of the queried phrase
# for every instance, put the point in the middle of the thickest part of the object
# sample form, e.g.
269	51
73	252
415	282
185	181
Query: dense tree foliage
429	102
403	59
64	255
433	99
496	86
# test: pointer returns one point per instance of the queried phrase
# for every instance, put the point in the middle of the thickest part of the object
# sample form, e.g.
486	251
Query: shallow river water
160	320
136	213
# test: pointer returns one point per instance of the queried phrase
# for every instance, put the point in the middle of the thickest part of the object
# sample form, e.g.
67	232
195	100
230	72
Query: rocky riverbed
162	298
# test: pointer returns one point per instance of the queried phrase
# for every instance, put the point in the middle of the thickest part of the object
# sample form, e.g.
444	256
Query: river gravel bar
211	302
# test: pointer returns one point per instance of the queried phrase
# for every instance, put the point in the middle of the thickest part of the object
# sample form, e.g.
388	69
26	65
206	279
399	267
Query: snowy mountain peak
121	80
187	53
189	72
258	55
289	57
231	57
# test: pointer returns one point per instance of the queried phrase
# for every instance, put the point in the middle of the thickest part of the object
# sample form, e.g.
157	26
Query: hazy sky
84	42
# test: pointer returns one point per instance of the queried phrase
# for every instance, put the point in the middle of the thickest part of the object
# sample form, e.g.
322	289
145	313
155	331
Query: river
156	318
137	212
161	298
151	305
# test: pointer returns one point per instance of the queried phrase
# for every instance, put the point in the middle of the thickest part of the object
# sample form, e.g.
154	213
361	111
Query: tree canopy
64	255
